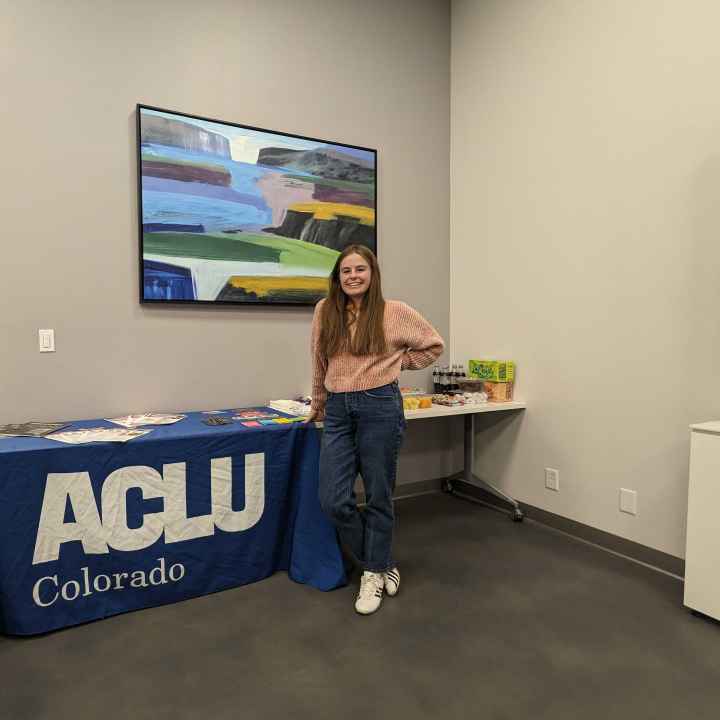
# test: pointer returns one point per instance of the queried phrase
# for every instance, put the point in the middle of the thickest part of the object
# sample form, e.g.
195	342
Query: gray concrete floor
494	620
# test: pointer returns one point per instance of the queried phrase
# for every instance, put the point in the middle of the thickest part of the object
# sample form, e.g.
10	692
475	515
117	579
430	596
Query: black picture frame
304	299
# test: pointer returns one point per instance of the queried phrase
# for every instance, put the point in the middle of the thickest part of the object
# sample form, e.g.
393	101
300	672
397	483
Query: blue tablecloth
89	531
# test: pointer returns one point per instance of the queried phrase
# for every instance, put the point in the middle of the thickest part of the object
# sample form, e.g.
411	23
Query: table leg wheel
447	486
518	515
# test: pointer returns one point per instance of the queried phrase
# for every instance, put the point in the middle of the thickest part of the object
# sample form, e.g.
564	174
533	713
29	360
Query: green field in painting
243	247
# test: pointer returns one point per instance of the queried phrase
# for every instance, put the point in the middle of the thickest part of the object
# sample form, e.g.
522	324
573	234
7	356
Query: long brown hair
369	336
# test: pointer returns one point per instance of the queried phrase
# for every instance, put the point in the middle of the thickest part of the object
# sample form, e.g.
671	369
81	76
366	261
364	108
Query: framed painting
233	214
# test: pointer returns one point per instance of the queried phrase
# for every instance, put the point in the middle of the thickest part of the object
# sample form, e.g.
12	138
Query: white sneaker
392	582
371	592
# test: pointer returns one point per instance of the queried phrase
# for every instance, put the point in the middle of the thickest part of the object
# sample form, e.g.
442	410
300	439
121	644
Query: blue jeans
362	434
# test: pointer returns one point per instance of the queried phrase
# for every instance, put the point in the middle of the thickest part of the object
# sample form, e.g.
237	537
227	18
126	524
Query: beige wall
585	178
370	73
585	219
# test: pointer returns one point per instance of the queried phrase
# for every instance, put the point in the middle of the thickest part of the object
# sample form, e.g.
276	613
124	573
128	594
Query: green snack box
492	370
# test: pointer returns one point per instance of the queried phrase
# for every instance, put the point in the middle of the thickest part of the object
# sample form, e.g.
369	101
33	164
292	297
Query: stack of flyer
98	434
31	429
134	421
291	407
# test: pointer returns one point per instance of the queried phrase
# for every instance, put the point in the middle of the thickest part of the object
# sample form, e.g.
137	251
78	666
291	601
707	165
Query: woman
360	343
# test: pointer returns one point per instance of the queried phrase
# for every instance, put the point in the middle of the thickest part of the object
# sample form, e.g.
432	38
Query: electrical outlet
628	501
552	479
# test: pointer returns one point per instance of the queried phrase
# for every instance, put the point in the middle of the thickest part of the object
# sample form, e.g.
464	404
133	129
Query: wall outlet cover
552	479
628	501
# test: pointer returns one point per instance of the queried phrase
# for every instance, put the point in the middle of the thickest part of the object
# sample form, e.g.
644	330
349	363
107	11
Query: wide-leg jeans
362	434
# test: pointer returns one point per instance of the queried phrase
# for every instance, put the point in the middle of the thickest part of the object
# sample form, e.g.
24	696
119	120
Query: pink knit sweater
413	344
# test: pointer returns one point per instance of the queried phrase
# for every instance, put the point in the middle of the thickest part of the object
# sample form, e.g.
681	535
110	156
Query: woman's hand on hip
316	415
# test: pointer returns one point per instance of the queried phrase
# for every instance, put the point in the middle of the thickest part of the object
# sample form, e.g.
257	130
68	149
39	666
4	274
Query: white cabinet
702	555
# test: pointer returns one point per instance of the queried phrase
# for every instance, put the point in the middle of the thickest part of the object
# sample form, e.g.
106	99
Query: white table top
446	410
707	427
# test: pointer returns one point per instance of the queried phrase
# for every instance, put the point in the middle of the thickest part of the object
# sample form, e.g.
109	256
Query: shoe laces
370	582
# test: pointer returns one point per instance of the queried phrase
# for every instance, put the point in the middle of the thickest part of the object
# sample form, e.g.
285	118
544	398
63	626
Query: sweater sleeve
319	363
424	344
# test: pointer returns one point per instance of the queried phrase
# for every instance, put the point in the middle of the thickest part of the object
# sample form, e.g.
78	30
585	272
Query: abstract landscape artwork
235	214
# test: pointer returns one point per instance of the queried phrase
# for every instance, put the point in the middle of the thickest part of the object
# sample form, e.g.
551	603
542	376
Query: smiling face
355	276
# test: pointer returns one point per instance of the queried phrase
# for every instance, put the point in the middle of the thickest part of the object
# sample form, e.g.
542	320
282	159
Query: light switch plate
46	340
